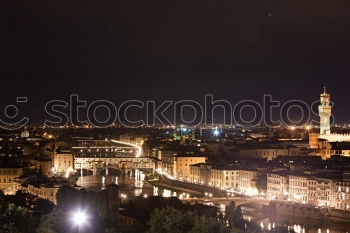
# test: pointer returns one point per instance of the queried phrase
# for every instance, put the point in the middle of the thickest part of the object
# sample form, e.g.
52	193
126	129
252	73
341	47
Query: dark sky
183	49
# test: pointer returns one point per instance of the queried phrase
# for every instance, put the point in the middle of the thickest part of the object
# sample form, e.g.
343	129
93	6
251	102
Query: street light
308	127
292	128
216	132
79	218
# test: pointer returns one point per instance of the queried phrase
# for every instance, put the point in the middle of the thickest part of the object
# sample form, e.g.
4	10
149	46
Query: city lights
308	127
216	132
175	116
138	148
79	218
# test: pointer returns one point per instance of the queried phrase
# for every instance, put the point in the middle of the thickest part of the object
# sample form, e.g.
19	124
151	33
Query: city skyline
187	116
103	113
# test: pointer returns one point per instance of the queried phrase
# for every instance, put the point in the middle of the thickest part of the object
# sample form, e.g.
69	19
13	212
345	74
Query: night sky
183	49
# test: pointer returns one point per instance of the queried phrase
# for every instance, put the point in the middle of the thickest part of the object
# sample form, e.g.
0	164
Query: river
130	185
135	185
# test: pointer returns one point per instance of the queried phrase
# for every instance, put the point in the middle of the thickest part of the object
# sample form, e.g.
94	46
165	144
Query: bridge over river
97	154
226	201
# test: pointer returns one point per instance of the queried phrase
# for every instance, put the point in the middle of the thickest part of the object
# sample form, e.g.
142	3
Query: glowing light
166	193
292	128
79	218
297	228
155	191
216	132
68	172
138	148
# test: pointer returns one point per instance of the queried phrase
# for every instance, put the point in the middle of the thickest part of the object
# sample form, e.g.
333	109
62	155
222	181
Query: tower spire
325	112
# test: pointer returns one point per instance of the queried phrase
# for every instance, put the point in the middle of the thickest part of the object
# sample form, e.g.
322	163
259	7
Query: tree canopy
170	220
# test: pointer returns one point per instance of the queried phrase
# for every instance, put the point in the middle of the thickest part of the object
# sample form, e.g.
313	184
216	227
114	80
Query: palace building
325	113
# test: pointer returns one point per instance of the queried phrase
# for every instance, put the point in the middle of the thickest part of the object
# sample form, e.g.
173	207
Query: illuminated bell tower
325	112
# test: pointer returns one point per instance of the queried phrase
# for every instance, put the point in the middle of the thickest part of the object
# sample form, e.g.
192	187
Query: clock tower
325	112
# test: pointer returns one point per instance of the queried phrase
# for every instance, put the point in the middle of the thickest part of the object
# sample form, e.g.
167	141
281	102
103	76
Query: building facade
324	193
43	192
231	179
298	189
277	186
305	189
341	195
269	153
7	176
247	182
63	161
182	165
200	173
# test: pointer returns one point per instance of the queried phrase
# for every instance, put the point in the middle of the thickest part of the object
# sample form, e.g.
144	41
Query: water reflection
131	183
300	225
139	178
294	225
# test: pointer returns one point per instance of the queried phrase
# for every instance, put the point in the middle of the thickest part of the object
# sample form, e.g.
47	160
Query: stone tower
325	112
